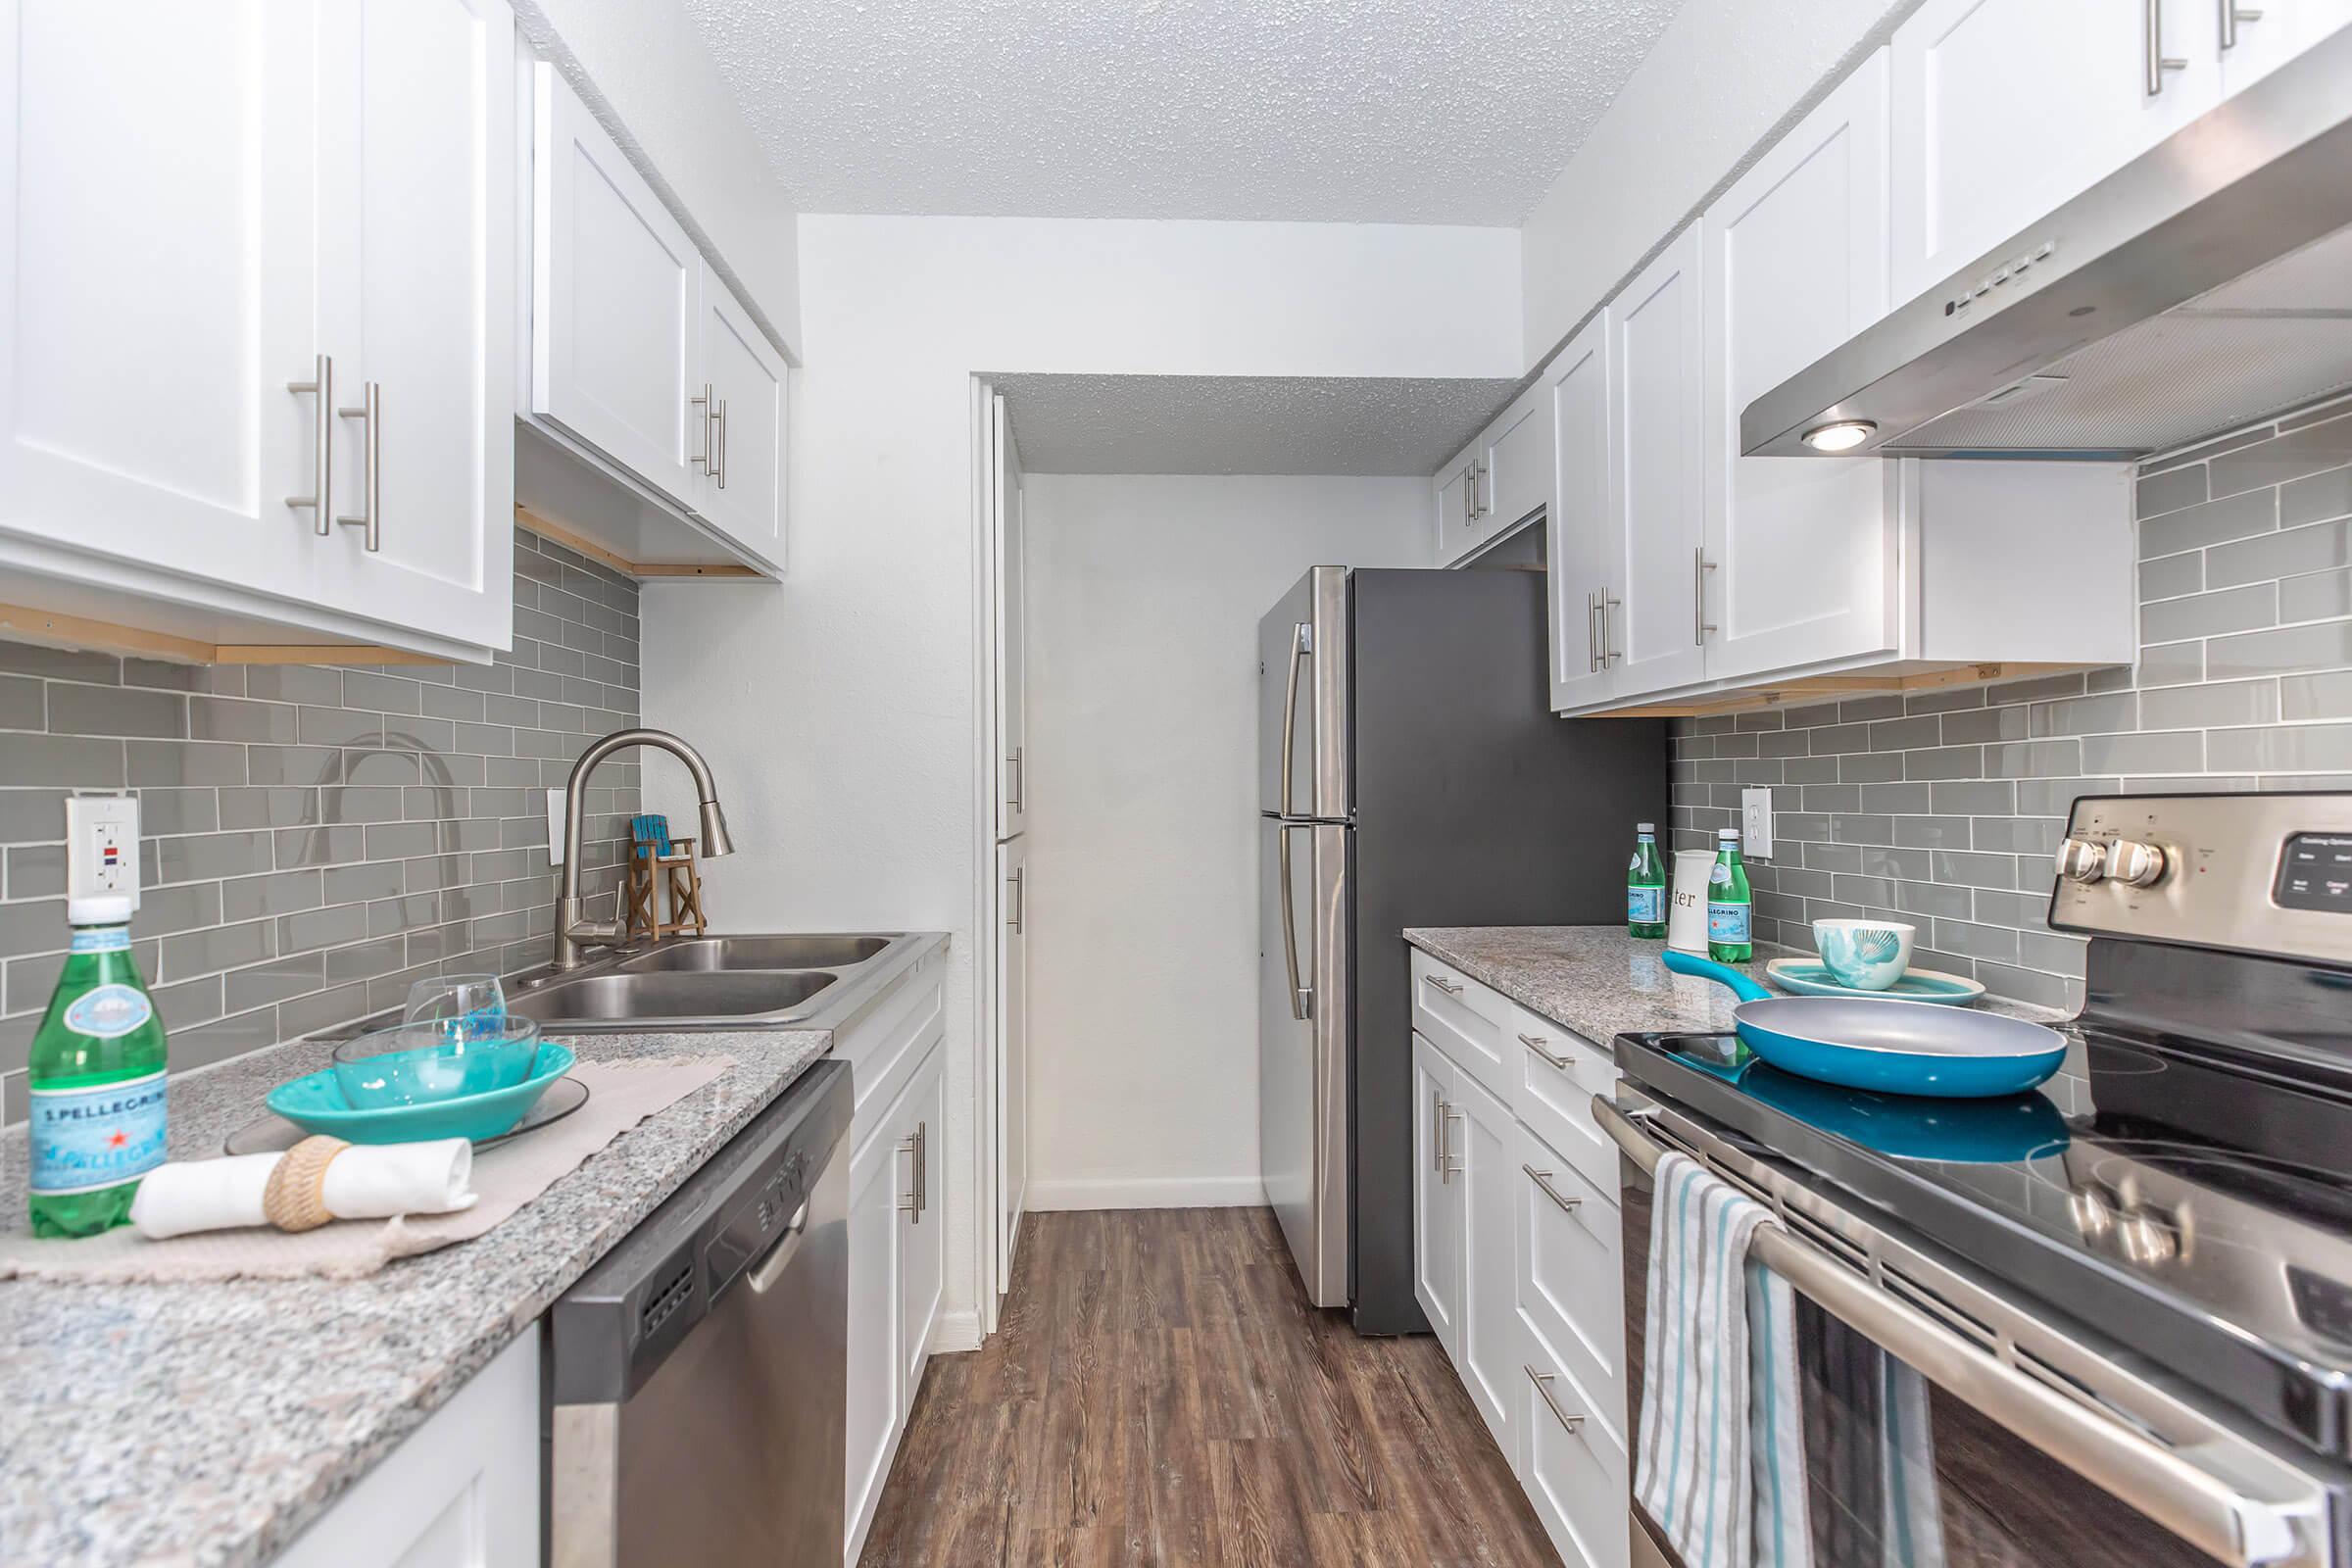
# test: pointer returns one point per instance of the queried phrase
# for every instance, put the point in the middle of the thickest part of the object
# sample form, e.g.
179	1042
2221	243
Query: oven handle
2204	1510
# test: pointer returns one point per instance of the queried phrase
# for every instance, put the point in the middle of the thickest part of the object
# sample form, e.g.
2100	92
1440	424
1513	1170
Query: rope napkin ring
296	1197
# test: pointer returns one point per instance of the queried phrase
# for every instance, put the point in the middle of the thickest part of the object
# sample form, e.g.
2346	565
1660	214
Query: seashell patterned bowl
1866	954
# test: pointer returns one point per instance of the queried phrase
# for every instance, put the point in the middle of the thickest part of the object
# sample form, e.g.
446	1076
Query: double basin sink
712	982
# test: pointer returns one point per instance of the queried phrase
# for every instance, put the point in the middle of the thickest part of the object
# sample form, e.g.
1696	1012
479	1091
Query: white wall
837	708
646	76
1720	81
1145	595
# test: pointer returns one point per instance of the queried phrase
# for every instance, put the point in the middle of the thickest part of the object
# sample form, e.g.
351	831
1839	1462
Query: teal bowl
315	1104
419	1063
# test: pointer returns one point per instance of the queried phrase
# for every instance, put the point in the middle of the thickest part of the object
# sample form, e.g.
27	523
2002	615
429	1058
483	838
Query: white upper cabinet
616	302
1656	525
421	304
1454	492
1515	465
1801	553
2003	108
740	490
210	209
1579	523
2255	41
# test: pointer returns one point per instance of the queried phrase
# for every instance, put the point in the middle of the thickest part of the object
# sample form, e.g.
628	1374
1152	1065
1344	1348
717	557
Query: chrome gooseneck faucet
573	931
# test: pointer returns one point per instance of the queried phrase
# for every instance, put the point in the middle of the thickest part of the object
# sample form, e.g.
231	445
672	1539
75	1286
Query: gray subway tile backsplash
1944	806
314	837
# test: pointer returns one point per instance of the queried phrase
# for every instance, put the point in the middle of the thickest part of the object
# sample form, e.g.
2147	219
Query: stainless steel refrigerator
1410	774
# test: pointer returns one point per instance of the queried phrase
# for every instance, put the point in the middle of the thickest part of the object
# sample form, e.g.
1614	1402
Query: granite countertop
1602	983
209	1423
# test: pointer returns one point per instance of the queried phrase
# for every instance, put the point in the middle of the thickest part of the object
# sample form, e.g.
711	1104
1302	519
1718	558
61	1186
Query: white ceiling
1346	111
1244	423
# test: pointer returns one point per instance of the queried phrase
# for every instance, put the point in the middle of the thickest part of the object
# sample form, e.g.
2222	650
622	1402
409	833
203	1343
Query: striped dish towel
1722	1440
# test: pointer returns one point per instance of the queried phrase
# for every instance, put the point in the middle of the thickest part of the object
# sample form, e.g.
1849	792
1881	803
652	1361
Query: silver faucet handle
607	931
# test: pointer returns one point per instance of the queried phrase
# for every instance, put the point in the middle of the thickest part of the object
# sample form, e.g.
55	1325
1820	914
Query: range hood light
1841	435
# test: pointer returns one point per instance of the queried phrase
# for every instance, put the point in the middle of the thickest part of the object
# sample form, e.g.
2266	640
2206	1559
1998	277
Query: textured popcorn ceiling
1348	111
1244	423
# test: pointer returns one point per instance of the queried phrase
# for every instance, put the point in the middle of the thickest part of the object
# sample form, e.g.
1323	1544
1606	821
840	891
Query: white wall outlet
1755	822
102	845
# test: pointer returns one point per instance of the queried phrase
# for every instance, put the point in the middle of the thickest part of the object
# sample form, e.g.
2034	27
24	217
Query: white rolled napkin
366	1181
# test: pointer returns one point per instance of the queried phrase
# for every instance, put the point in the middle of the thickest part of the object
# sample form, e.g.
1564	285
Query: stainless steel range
2139	1276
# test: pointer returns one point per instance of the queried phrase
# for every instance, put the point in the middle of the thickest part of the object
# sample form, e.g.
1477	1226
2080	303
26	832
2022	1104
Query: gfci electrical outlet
1755	822
102	845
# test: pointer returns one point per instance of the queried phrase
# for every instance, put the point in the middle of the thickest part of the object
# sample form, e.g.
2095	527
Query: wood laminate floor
1160	1393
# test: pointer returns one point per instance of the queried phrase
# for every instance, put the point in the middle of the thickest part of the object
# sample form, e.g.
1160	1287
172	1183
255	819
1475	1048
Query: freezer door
1303	1014
1302	700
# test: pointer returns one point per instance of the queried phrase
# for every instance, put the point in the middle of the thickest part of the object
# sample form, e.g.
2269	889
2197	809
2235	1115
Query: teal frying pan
1896	1048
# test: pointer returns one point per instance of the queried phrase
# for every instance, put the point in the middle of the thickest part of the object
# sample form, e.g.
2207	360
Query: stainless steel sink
666	997
757	953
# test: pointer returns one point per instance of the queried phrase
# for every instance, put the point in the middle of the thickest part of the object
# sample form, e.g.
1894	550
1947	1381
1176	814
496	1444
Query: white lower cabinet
898	1235
461	1491
1518	1263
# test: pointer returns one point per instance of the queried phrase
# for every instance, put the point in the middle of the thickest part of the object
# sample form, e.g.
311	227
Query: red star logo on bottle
117	1139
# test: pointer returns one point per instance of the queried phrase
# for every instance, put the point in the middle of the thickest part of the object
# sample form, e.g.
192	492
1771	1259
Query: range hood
2205	285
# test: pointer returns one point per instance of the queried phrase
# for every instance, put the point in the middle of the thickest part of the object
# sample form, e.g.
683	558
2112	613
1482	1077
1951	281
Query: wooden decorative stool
660	863
685	892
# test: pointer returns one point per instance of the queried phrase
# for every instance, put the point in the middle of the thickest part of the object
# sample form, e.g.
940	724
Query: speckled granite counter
1602	983
207	1424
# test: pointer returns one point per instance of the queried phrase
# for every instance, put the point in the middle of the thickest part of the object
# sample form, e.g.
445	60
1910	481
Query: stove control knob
2130	861
2081	861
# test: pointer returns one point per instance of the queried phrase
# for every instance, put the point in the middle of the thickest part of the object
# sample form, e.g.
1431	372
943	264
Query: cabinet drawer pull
918	1198
1535	1044
706	418
1701	567
323	443
1445	985
2158	62
1437	1132
719	467
1542	1382
1543	1179
371	481
2232	14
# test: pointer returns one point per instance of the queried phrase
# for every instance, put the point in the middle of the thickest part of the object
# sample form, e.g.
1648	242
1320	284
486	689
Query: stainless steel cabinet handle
769	1269
1543	1382
1543	1179
912	1202
706	402
719	468
1302	641
922	1170
2158	62
1701	567
1608	629
1445	985
1535	1044
1020	779
1447	1166
323	443
1302	997
1437	1132
371	471
2232	16
2272	1512
1021	897
1592	633
1469	495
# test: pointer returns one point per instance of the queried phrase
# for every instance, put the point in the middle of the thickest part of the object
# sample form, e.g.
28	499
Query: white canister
1687	921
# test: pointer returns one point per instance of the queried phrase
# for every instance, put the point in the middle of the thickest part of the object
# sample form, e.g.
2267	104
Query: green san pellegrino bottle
97	1080
1645	885
1730	924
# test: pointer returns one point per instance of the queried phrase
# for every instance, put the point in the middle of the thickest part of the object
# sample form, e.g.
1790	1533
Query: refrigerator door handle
1302	997
1302	641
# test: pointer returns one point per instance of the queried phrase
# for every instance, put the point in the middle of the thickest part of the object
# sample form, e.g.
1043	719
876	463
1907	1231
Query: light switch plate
1755	822
102	845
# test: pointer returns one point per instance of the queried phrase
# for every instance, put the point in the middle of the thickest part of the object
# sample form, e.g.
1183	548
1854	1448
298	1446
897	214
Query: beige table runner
620	1094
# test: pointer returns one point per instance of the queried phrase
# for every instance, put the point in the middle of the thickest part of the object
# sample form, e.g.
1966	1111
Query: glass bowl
427	1064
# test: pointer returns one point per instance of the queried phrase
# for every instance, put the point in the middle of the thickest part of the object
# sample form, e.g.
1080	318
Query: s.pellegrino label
84	1140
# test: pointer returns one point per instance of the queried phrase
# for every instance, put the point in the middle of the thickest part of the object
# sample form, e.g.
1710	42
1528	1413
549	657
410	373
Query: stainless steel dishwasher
696	1388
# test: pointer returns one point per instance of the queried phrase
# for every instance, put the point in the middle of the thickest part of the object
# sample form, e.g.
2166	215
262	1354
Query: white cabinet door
418	307
876	1400
741	492
159	279
1579	523
923	1226
460	1492
1437	1212
1011	626
1571	1283
1658	523
2003	108
1013	1052
1456	496
1801	553
615	302
1483	1143
1515	471
2263	38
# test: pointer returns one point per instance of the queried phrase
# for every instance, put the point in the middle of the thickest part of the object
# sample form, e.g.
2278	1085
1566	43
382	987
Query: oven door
1984	1464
